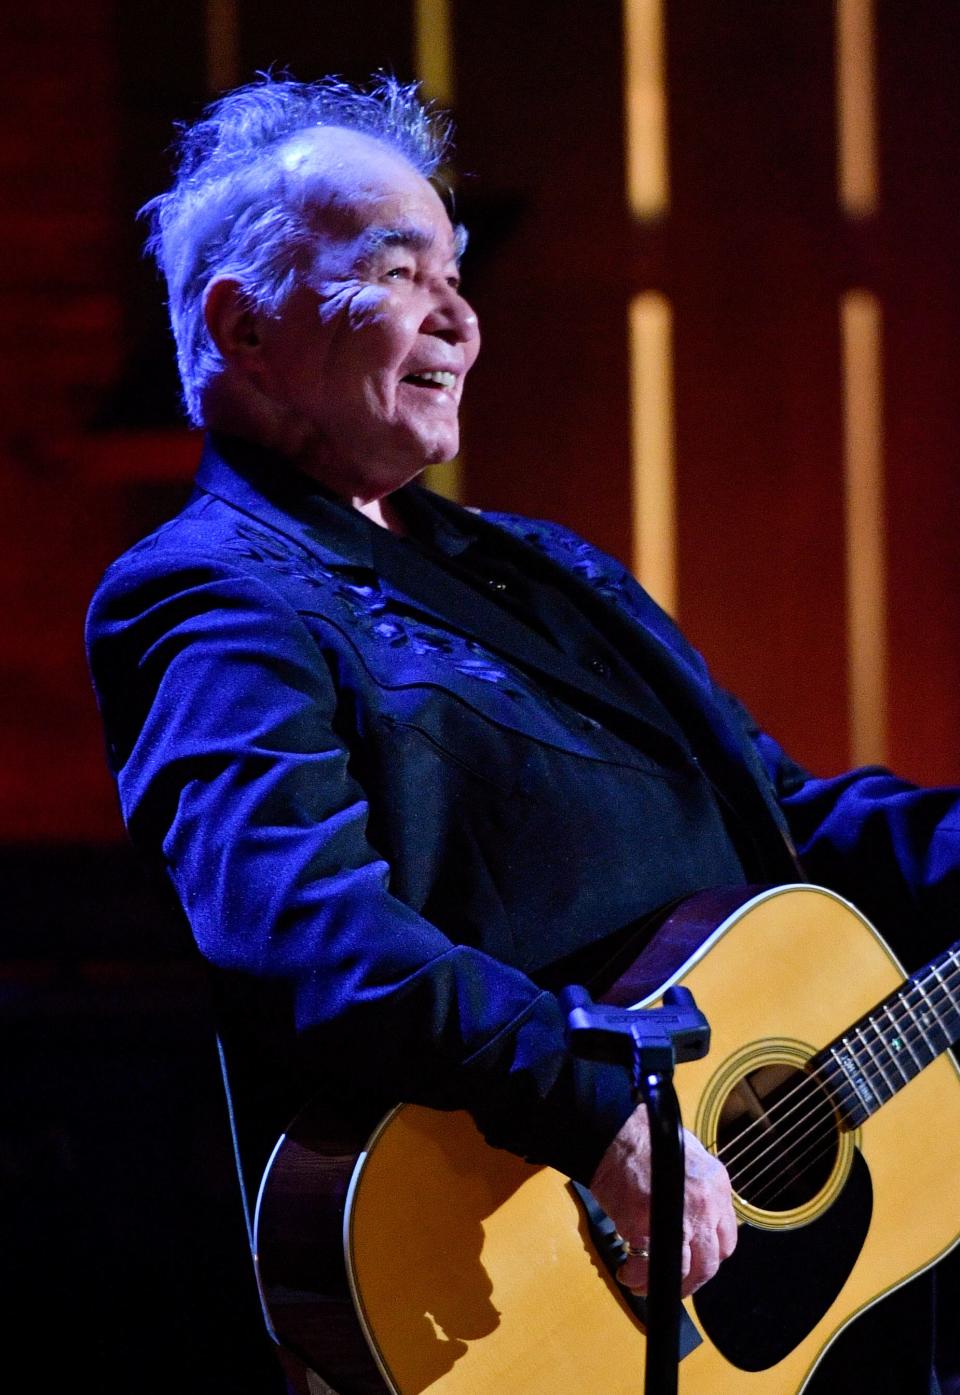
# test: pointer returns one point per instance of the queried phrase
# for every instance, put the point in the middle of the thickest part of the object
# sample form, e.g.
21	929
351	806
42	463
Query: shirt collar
263	483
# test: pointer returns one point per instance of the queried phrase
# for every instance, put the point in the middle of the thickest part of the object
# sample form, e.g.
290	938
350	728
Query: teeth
446	380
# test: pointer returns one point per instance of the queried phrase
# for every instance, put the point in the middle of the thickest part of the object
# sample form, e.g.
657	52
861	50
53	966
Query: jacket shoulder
211	528
209	550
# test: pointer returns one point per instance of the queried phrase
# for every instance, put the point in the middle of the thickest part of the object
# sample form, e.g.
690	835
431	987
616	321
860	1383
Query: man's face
368	357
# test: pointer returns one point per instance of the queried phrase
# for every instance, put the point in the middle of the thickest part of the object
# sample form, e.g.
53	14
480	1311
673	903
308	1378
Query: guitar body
472	1272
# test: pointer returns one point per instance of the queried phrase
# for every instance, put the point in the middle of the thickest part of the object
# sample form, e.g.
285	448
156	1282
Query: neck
382	512
252	419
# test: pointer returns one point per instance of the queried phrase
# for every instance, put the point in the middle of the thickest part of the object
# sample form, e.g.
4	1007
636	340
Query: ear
232	323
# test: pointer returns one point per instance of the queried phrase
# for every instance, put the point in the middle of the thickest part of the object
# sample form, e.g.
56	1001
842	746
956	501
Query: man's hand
621	1184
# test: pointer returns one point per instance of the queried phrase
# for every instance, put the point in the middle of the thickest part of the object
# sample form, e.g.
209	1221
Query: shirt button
495	585
598	667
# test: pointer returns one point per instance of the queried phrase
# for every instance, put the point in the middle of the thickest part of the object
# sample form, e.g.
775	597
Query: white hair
229	211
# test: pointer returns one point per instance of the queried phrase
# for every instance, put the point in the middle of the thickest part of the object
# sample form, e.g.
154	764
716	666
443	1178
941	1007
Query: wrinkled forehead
361	191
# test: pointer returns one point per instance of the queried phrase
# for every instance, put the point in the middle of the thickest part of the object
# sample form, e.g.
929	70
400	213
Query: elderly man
409	768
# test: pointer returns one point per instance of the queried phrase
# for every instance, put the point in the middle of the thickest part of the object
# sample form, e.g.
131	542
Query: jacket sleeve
889	846
221	719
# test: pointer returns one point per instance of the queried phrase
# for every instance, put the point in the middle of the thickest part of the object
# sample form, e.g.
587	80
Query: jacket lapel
460	606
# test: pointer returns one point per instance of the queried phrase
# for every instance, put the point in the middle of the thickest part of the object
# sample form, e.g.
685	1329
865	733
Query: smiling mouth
436	380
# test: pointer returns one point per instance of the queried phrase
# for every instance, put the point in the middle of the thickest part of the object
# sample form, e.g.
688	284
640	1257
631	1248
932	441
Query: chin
399	462
439	451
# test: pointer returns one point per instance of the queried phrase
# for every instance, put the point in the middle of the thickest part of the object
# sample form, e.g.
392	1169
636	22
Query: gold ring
631	1251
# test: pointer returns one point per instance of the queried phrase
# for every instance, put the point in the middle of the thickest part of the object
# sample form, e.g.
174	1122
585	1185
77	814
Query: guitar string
943	986
774	1134
943	982
735	1151
795	1167
746	1181
764	1197
822	1137
787	1149
776	1137
773	1121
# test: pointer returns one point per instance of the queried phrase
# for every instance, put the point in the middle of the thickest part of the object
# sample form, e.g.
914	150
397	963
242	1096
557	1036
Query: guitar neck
866	1066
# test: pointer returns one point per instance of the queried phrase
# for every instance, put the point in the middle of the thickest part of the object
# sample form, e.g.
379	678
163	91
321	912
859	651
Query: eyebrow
412	238
408	236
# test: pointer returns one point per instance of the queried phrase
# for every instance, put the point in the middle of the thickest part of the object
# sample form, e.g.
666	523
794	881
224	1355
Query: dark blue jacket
392	812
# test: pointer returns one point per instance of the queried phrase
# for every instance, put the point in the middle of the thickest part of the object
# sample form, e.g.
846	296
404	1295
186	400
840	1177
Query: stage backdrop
713	250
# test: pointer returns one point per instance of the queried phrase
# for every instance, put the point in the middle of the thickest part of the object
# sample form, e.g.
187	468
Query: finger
636	1278
727	1233
704	1261
634	1273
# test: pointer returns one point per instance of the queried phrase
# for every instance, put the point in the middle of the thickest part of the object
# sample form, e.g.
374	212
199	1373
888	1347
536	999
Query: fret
878	1064
914	1032
929	1020
882	1052
947	1022
952	988
858	1098
952	954
901	1048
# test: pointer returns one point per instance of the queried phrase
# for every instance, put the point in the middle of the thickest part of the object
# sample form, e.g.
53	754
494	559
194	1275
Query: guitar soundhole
777	1136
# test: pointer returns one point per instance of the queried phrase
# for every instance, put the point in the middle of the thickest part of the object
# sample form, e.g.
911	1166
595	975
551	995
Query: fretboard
878	1055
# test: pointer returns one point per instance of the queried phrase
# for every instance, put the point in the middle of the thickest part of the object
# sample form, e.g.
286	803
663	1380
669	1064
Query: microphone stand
649	1042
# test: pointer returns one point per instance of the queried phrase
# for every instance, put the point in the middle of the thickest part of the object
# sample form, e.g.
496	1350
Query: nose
450	317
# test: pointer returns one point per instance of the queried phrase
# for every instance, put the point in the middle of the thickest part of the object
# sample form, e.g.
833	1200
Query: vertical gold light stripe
446	479
860	328
222	27
433	48
856	107
654	503
645	91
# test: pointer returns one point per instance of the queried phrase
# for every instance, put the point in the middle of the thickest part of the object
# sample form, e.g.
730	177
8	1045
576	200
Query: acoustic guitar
433	1262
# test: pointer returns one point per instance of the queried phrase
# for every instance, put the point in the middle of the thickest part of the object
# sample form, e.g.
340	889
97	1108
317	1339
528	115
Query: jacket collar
267	487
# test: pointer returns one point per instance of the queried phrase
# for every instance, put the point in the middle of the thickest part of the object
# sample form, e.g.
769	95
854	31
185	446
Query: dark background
123	1261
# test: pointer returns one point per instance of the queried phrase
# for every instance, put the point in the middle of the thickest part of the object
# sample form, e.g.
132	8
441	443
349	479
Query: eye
454	283
398	273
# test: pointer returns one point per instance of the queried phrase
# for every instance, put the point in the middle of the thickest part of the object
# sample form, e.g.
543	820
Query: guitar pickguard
777	1285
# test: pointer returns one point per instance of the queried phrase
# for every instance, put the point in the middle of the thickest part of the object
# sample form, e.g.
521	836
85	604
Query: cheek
381	333
366	308
471	350
352	319
334	305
